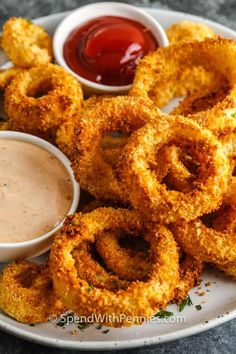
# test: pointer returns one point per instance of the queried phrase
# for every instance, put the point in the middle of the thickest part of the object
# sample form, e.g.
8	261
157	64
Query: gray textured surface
219	340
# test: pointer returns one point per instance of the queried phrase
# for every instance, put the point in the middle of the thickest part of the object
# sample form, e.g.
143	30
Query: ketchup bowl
101	43
17	148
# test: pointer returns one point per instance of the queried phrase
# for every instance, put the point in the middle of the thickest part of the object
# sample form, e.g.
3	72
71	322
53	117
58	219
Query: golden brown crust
123	114
190	272
65	132
60	97
25	43
7	75
26	293
129	264
163	69
149	195
186	31
141	299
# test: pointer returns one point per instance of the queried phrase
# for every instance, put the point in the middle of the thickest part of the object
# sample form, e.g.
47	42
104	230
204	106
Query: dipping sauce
106	50
35	191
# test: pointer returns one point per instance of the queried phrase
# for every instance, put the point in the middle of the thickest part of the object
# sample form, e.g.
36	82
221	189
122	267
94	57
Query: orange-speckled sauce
35	191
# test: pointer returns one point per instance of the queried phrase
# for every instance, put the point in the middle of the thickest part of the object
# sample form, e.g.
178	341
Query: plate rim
127	343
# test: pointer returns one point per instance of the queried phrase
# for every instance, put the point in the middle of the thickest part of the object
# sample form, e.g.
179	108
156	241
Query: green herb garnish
164	314
99	326
61	323
198	307
83	325
233	115
186	302
106	331
91	287
64	320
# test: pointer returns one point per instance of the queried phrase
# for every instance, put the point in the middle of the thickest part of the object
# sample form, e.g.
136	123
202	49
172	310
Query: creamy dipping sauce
35	191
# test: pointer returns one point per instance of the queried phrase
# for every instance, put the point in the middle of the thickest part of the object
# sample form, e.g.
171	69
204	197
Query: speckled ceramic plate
217	294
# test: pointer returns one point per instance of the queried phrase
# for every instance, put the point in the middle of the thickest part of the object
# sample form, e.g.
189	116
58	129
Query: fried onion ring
205	243
190	273
167	64
123	114
42	98
26	293
216	244
127	263
134	264
7	75
186	31
140	300
145	190
25	43
65	132
91	271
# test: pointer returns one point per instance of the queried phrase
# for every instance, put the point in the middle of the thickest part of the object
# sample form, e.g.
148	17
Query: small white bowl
86	13
41	244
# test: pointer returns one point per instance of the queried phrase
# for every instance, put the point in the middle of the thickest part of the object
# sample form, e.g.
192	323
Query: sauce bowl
41	244
86	13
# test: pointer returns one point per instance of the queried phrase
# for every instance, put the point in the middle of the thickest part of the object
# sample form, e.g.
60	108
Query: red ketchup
106	50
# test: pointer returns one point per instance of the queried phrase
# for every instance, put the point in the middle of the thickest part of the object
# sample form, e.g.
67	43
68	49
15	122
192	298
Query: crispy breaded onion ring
26	293
145	190
127	263
205	243
141	299
7	75
216	243
186	31
175	166
190	273
134	264
65	132
25	43
42	98
90	270
190	79
202	100
166	65
123	114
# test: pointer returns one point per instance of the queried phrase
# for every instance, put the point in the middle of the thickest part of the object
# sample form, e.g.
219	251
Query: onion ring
7	75
145	191
26	293
25	43
65	132
123	114
190	273
140	300
127	263
186	31
134	264
216	244
60	97
166	65
206	244
91	271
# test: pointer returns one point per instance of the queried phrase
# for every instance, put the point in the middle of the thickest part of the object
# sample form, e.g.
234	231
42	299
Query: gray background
219	340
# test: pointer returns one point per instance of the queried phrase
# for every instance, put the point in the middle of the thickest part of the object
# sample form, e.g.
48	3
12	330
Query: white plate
219	299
